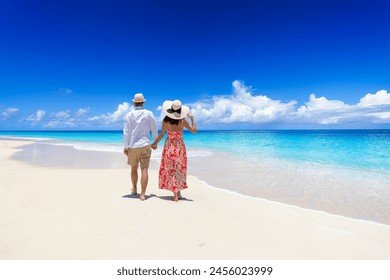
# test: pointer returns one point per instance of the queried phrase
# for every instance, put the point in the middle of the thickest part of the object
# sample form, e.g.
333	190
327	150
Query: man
136	135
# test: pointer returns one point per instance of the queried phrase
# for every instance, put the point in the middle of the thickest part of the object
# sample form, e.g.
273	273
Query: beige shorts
139	155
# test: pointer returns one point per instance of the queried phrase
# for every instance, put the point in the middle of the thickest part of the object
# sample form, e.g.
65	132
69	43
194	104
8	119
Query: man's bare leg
144	183
134	179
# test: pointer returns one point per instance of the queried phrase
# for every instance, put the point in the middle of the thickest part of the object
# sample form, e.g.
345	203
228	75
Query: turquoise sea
360	149
344	172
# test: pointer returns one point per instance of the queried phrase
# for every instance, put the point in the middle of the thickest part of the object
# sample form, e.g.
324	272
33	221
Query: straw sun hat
175	110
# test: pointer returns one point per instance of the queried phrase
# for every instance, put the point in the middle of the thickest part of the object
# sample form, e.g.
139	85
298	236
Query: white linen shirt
136	131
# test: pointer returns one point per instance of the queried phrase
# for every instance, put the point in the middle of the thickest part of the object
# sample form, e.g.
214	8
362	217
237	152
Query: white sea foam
115	147
39	139
93	146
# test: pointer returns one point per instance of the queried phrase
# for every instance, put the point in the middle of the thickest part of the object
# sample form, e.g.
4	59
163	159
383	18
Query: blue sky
237	64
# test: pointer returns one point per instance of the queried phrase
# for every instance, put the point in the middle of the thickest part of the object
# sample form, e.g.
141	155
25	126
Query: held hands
154	146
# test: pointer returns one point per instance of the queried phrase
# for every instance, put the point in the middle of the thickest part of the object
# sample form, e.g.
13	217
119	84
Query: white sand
58	213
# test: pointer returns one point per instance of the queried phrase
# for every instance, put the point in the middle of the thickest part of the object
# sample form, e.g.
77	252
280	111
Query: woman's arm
160	136
191	127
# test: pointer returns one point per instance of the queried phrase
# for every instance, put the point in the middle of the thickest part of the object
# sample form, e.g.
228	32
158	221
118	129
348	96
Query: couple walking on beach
137	147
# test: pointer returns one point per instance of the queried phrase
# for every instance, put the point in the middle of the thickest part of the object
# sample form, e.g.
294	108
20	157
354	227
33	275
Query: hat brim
176	116
139	101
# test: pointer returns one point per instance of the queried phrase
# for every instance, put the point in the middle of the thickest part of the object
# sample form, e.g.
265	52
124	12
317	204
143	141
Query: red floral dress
173	168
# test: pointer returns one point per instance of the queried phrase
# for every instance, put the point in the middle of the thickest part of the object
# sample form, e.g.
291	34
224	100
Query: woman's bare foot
175	197
179	195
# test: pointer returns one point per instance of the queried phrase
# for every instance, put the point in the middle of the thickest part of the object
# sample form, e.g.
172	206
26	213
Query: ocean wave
118	148
92	146
25	138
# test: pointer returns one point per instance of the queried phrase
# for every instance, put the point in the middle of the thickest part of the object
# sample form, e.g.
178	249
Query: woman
173	168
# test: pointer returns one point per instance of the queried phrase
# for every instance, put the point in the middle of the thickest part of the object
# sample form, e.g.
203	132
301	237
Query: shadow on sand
165	197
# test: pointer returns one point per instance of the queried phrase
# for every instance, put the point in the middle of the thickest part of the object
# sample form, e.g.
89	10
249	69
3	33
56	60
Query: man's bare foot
142	197
134	191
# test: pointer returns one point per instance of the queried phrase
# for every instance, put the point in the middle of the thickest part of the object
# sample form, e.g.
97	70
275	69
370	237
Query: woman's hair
171	121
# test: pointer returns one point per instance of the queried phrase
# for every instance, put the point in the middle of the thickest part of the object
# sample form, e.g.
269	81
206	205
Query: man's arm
126	134
153	127
162	132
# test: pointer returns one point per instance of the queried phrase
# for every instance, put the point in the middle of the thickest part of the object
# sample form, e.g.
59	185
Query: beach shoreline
53	212
357	194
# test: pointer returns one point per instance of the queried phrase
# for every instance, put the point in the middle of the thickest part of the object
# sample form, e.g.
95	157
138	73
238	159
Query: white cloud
382	116
121	112
372	108
323	111
322	104
241	106
116	116
82	111
38	116
62	115
8	113
382	97
245	106
61	120
66	119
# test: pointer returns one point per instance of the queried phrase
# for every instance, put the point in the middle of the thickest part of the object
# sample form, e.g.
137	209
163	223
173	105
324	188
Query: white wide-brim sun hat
175	110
